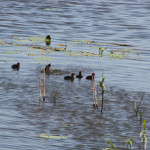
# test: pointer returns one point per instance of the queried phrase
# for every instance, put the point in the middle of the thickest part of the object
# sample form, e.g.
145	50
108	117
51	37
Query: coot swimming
90	77
79	76
16	66
48	67
69	77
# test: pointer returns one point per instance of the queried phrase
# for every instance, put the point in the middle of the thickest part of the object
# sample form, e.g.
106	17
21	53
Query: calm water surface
24	24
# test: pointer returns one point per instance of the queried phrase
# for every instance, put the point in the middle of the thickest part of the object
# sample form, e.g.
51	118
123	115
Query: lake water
119	27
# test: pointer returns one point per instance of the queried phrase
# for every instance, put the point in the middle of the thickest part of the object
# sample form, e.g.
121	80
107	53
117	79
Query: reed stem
102	99
140	103
93	91
43	77
40	88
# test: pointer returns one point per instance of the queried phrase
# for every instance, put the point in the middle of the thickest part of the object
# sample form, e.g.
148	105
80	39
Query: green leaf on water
141	133
145	142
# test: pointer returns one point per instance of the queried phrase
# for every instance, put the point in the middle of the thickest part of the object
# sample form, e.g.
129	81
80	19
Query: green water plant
113	147
103	88
143	136
55	96
129	142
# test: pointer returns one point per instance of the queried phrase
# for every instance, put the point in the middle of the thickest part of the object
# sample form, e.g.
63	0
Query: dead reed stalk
140	103
95	95
102	99
93	92
43	76
96	99
40	88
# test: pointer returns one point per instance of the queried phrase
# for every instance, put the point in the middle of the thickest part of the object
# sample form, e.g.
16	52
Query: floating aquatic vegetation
36	39
58	49
21	50
74	54
7	52
42	59
89	54
36	47
66	125
6	59
124	54
122	44
64	45
81	54
77	41
31	54
116	55
46	136
134	58
122	51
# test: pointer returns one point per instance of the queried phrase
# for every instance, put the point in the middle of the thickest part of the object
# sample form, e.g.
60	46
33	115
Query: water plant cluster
101	51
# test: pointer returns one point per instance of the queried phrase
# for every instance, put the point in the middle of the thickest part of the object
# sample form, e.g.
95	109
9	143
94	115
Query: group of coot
50	70
79	76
